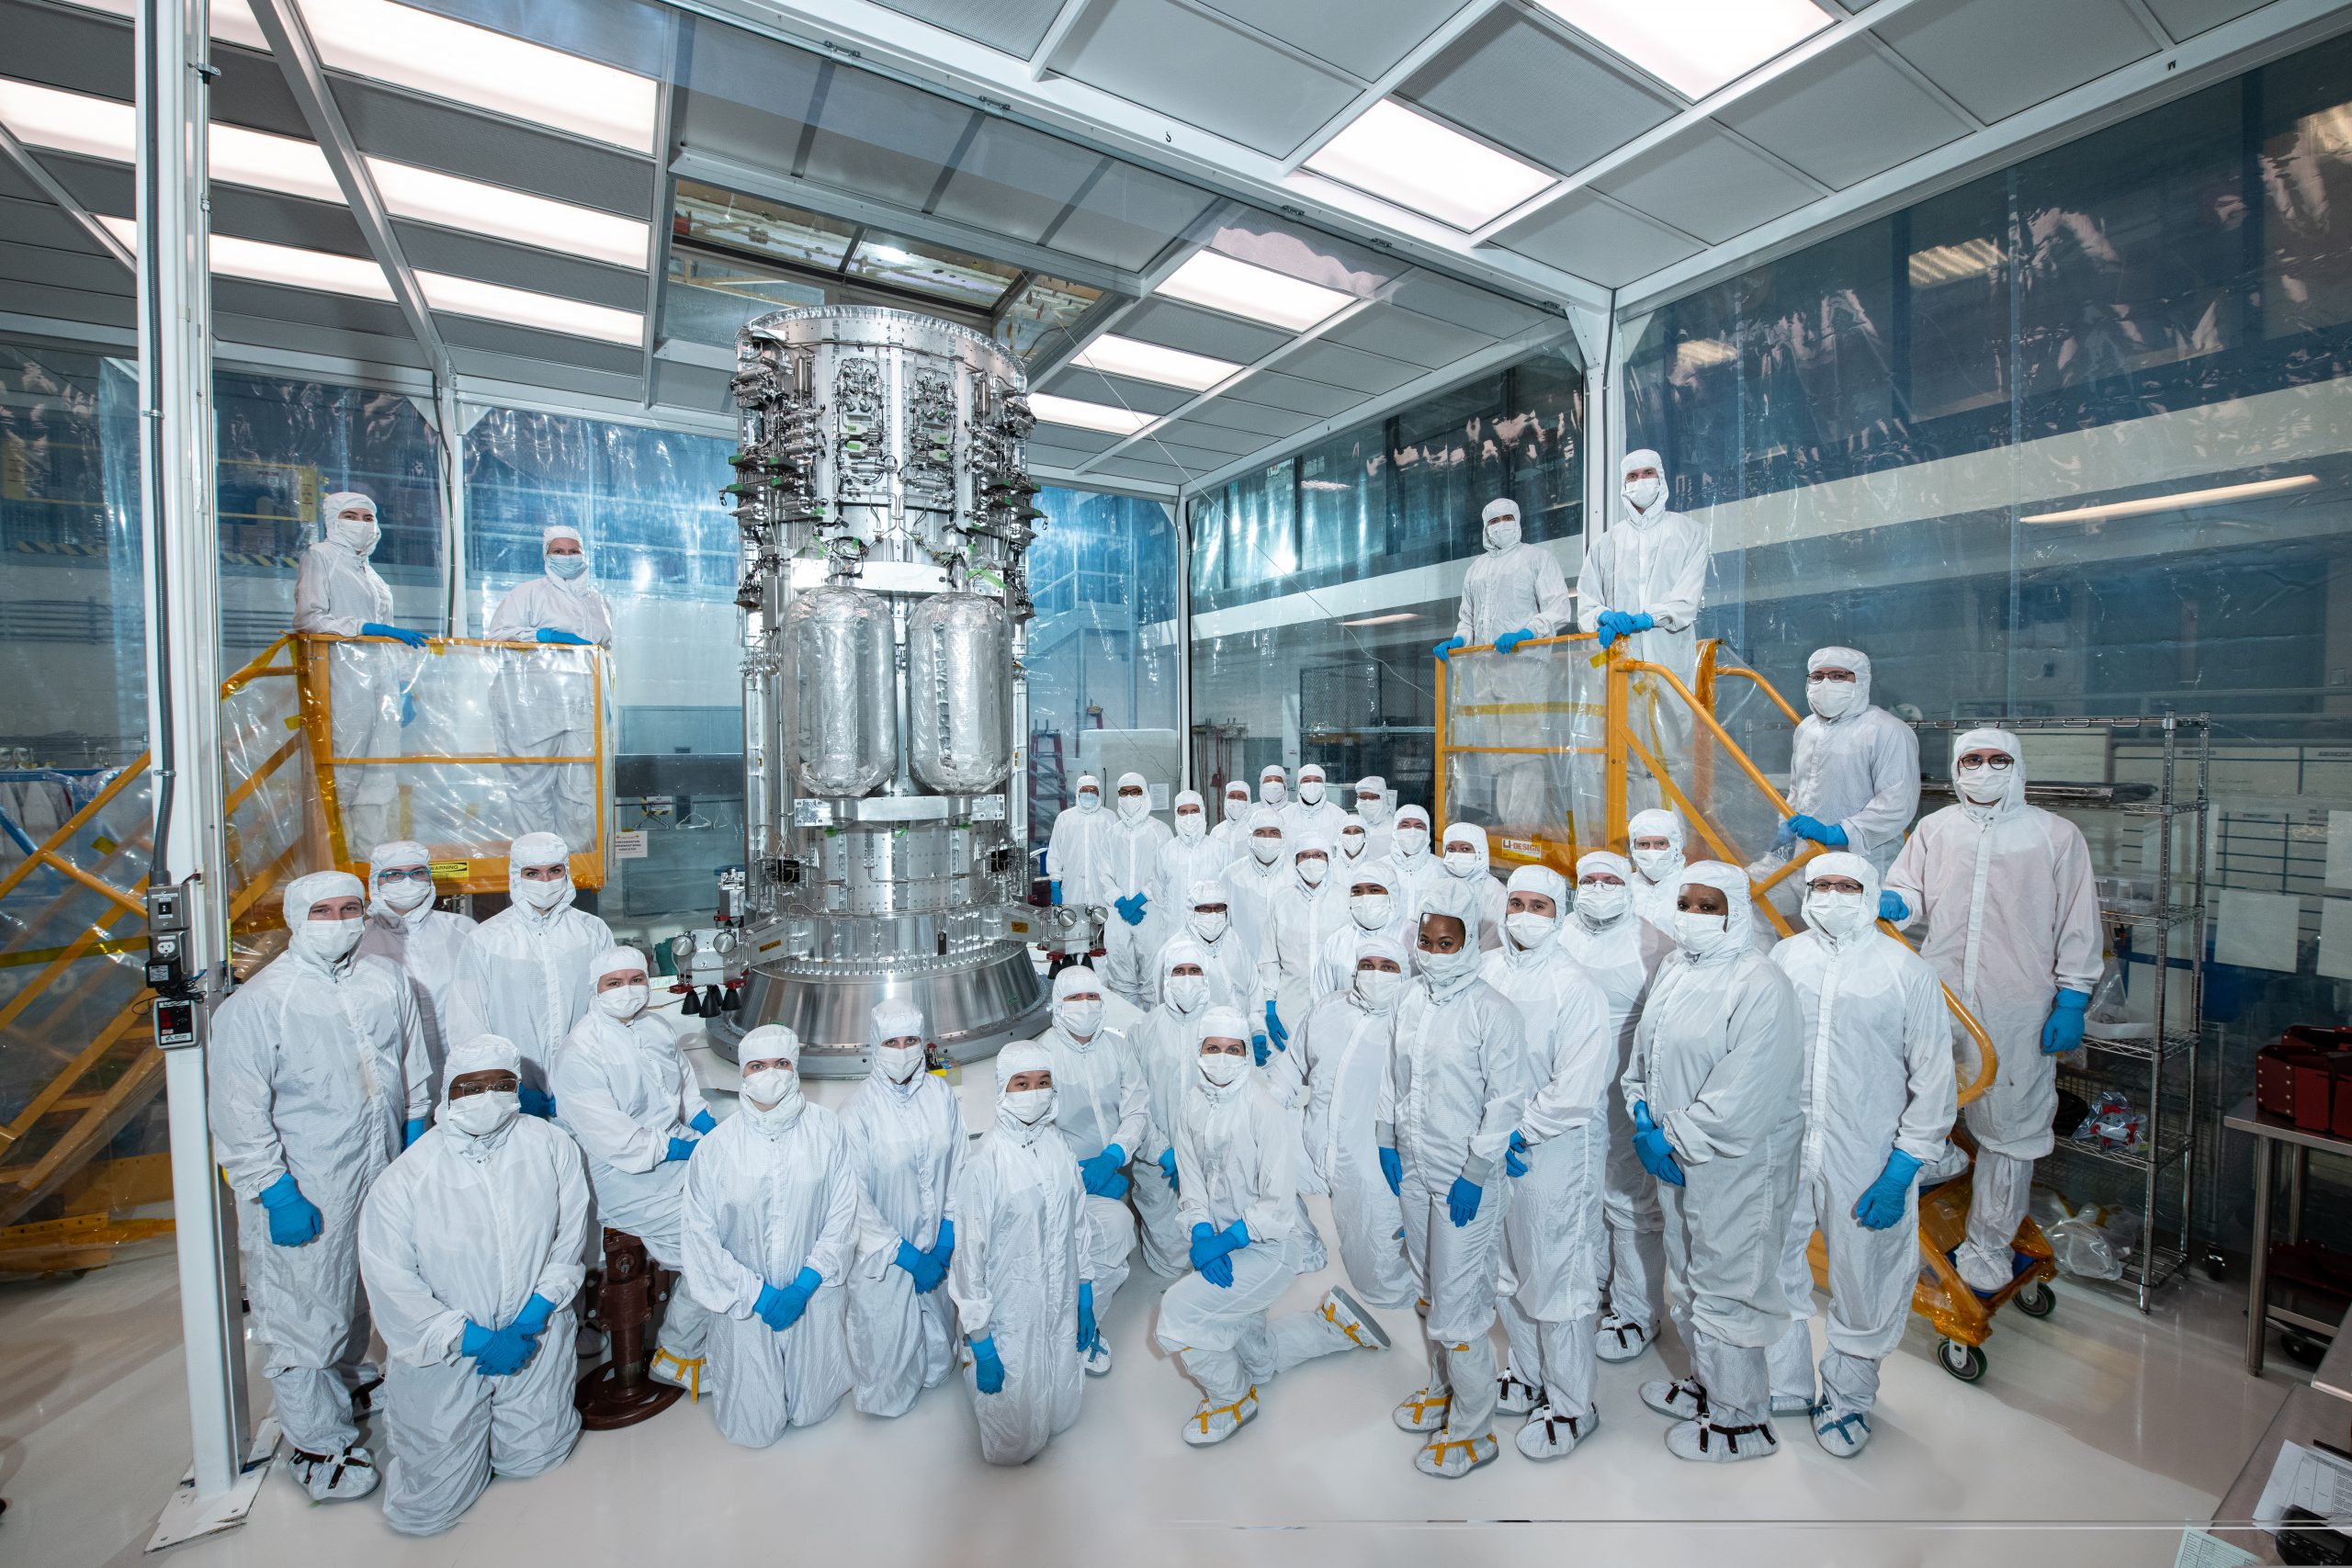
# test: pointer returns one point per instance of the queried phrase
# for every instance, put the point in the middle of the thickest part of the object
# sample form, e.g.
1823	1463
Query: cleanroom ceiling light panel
2181	501
468	65
1411	160
1694	46
231	20
1132	358
427	196
285	264
522	307
1080	414
1218	282
101	127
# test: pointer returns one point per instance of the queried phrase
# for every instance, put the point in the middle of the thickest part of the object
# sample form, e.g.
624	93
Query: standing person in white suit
1189	856
1273	788
1336	1066
1854	779
545	704
1468	862
1126	861
423	941
1377	905
1231	967
906	1142
1233	825
1102	1107
2013	928
1644	579
1254	879
1659	855
1164	1043
1070	855
1513	594
1410	851
1377	812
1301	919
522	973
1314	810
1880	1096
338	593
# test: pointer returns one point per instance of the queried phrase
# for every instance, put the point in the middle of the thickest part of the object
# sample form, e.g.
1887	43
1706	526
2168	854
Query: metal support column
1180	517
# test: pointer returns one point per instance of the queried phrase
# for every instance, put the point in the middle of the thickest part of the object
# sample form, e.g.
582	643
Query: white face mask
1832	699
1311	790
1220	1069
406	894
1028	1106
545	895
1601	902
1375	810
1372	911
1089	801
1462	862
1444	968
1133	807
1209	927
1982	785
1530	930
1412	843
329	942
771	1087
358	534
479	1115
1700	935
1378	988
899	1062
1237	807
1501	534
1352	844
1311	869
1657	865
623	1002
1187	992
1269	790
1267	850
1190	828
1079	1019
1839	914
1642	494
566	569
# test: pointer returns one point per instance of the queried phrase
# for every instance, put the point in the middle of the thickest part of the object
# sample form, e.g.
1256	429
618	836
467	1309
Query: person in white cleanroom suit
1314	810
1659	854
2013	928
1377	905
1377	811
1878	1100
1553	1235
1335	1067
906	1142
1254	879
1126	860
1411	852
403	926
1457	1082
1644	579
1714	1090
337	593
1468	861
1621	951
1515	592
1302	915
522	973
1231	967
470	1244
1236	1158
1273	788
1233	826
1187	857
1101	1108
318	1076
1854	782
771	1225
625	1092
1351	843
1164	1044
544	703
1070	857
1019	1276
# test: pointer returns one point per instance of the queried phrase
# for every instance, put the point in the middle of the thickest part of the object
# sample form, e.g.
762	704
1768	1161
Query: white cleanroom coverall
1878	1077
468	1229
1719	1061
522	973
1477	873
1236	813
543	703
1021	1254
1189	856
1164	1046
1377	809
1252	883
1651	561
1232	966
1335	965
336	591
1856	767
403	926
318	1065
1658	872
1418	858
906	1142
1125	861
1322	814
1513	586
768	1194
1100	1099
2012	911
1340	1057
1300	918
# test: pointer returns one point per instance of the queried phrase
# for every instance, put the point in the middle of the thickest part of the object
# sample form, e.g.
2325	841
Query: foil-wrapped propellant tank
885	511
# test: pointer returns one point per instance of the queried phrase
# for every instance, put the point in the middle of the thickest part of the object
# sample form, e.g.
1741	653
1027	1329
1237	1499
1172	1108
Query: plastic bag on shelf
2089	1243
2112	1126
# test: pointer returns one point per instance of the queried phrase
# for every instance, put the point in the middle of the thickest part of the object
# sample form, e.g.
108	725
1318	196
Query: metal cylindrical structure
885	511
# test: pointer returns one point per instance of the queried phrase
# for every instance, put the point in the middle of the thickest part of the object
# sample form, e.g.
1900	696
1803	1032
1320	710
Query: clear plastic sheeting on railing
463	746
1522	745
1730	812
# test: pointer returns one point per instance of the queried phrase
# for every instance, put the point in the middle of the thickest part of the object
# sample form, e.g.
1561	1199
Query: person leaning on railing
338	593
545	706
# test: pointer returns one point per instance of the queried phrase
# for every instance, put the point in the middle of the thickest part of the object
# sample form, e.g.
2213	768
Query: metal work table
2309	1418
2270	1132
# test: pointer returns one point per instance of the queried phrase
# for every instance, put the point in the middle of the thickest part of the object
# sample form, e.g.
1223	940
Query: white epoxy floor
2097	1435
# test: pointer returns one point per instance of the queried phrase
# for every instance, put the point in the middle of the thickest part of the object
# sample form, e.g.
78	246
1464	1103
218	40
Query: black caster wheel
1965	1363
2302	1349
2037	1300
2217	1268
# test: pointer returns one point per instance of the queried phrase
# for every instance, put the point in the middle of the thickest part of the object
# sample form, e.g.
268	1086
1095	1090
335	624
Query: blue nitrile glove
293	1219
413	1131
680	1149
1236	1235
549	634
1054	891
506	1354
792	1299
1278	1036
769	1307
1168	1166
1130	908
1392	1166
1614	624
1101	1172
1508	642
920	1266
532	1321
1820	832
2063	1030
1446	649
1209	1259
1462	1201
536	1101
1259	1049
1891	907
943	1251
1087	1332
704	1121
1652	1149
397	634
408	709
473	1339
1881	1203
1515	1156
987	1370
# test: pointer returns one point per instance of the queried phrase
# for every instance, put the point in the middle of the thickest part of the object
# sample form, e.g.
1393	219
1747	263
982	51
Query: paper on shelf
2305	1478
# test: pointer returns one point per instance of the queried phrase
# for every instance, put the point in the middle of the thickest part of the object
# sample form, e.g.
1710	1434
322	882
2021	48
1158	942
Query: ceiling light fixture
1951	264
233	20
1408	159
289	265
1219	282
1132	358
1080	414
2181	501
1694	46
428	195
524	307
1384	620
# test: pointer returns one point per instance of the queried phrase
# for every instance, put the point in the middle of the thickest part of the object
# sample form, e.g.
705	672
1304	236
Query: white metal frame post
177	462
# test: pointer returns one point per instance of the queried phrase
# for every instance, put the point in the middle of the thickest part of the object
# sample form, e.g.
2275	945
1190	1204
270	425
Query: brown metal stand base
619	1393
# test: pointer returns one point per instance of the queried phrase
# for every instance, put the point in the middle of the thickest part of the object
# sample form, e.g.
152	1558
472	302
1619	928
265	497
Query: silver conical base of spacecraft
970	1011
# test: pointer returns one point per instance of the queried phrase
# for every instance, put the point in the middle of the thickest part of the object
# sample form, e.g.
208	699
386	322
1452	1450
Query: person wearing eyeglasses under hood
338	593
2013	928
544	705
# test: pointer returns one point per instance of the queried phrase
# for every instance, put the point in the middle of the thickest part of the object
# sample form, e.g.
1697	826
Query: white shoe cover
1619	1340
1680	1400
1209	1426
1844	1434
335	1478
1547	1437
1711	1444
1346	1314
1449	1457
1423	1411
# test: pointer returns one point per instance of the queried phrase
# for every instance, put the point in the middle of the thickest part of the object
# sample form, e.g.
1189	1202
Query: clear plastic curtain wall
1321	582
1102	651
2073	439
